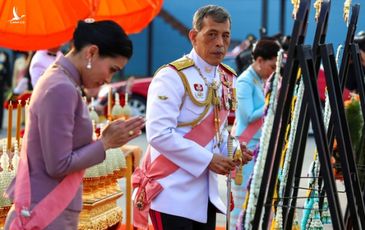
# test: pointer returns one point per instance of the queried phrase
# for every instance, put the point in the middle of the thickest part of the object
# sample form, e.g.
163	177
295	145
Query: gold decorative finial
295	7
317	5
346	10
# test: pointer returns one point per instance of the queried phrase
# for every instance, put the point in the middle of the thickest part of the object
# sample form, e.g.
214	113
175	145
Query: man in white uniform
186	120
41	60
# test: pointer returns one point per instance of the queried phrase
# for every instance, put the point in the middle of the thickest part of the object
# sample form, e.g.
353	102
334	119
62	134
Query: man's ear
192	35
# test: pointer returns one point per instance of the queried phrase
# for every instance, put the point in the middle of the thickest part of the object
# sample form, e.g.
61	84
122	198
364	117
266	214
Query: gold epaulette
158	70
228	69
182	63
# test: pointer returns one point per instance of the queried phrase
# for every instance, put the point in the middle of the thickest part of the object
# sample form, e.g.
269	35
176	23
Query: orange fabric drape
42	24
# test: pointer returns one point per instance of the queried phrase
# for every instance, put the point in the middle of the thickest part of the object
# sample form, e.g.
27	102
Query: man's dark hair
218	13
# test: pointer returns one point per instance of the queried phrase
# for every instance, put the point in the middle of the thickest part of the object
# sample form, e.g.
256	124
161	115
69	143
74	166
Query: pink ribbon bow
148	187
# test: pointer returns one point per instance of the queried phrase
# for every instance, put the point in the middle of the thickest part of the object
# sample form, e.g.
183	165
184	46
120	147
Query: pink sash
249	132
145	178
48	209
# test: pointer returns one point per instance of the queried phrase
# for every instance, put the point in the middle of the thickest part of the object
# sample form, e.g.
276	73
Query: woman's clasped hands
119	132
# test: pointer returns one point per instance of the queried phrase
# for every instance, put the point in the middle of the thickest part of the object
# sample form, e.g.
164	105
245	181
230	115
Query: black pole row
281	114
301	135
308	59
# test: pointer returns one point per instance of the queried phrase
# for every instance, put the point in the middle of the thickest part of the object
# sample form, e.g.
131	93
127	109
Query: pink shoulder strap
249	132
48	209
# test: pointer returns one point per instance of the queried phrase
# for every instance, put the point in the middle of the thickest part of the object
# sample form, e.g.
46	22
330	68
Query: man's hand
221	164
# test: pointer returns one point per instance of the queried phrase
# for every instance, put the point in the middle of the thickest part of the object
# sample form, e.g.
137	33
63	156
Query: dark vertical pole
149	48
282	16
263	29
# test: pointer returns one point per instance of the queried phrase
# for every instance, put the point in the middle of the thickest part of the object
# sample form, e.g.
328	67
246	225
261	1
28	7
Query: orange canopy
132	15
39	24
42	24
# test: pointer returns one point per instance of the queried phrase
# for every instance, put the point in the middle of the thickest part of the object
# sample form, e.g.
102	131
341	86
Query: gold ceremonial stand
100	195
102	213
101	192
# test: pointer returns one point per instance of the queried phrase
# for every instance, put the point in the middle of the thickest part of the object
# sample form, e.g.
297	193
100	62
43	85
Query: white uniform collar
207	70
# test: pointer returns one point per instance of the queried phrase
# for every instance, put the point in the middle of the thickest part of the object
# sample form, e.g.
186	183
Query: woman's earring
88	65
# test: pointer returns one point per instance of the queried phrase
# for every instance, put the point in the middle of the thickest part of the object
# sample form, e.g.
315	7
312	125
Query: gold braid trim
207	103
179	65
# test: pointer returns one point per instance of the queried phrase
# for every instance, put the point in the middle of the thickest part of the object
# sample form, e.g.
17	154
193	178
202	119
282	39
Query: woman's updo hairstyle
107	35
266	48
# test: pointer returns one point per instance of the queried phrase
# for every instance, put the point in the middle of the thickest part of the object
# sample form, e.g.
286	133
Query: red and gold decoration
101	188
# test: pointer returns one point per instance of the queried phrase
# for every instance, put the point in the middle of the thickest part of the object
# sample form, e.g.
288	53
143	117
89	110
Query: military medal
199	90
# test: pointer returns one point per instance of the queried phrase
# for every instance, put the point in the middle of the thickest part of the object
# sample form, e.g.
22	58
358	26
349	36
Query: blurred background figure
21	78
360	40
5	80
243	53
41	60
351	83
251	103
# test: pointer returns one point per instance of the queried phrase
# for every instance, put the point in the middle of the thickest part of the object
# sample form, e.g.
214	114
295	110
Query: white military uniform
185	192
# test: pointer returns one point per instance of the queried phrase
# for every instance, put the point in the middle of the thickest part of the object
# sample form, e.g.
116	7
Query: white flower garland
288	154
